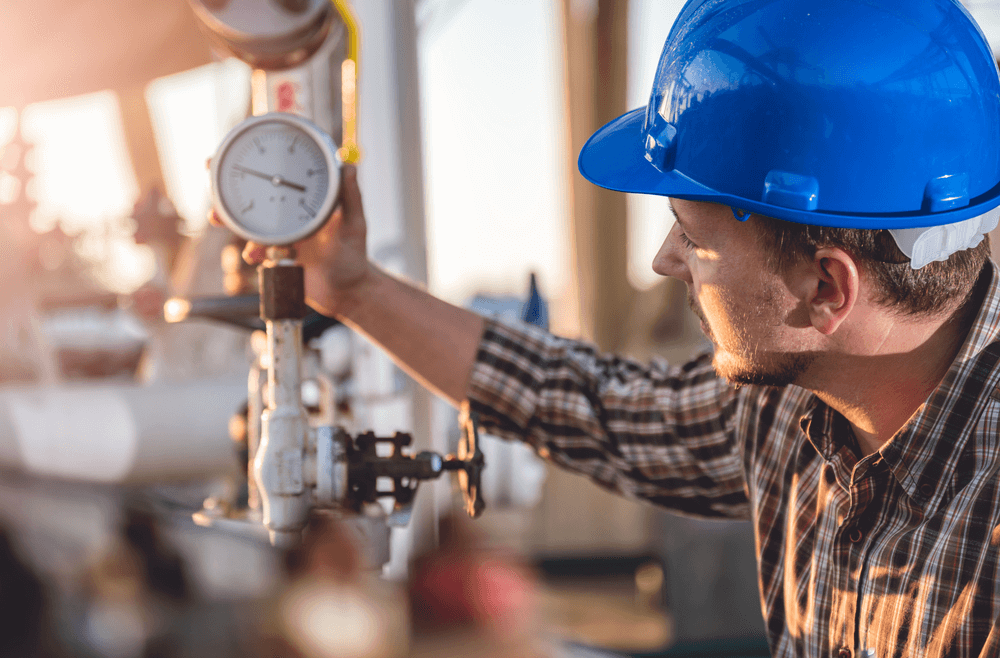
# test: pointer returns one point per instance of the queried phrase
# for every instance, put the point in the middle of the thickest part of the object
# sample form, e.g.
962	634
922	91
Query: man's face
746	310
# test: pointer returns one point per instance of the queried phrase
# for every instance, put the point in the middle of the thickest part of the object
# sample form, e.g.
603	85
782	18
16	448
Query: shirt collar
820	425
926	451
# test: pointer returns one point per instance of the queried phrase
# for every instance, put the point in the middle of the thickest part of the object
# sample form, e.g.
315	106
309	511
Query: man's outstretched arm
434	341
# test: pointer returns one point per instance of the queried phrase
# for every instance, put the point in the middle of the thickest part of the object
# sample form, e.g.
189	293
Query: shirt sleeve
666	434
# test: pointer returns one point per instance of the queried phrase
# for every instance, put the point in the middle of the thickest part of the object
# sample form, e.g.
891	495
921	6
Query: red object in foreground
465	583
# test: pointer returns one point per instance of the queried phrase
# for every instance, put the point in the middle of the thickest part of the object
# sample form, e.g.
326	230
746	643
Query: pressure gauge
275	178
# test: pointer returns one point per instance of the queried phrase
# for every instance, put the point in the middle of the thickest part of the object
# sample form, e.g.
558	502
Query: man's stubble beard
776	369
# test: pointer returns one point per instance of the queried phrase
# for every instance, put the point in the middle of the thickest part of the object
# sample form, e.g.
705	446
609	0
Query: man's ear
836	288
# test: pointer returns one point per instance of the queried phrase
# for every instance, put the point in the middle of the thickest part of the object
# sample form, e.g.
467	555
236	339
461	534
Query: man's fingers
254	254
350	193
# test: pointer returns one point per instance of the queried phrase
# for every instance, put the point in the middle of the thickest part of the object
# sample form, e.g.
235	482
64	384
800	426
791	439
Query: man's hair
935	288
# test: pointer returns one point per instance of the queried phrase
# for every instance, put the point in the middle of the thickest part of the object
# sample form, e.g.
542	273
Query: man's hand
335	257
433	340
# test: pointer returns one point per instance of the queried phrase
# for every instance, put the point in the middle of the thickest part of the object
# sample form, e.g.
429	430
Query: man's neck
878	392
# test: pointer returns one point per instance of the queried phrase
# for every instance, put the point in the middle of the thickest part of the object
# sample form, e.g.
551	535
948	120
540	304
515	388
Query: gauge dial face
275	179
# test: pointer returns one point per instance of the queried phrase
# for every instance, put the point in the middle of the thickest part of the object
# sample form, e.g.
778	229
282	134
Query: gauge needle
276	179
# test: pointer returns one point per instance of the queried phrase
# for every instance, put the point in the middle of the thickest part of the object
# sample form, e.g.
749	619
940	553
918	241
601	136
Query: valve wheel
471	456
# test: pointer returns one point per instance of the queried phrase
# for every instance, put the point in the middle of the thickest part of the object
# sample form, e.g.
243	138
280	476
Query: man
833	168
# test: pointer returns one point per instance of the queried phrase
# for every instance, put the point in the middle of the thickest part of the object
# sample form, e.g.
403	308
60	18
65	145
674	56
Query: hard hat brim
615	158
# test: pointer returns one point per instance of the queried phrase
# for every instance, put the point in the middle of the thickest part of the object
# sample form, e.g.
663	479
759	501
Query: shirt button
844	653
926	489
855	537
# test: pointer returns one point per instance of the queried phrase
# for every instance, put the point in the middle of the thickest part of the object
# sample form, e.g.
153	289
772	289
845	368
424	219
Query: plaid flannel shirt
896	552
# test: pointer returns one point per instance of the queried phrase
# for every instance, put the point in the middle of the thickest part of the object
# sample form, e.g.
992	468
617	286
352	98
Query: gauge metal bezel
326	146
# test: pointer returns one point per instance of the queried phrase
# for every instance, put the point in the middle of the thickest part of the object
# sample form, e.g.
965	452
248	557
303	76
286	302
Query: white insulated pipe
120	433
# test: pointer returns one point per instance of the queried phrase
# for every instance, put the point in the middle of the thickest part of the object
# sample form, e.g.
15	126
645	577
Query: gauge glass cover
275	179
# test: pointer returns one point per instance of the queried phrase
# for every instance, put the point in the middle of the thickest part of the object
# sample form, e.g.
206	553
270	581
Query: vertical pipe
425	513
255	408
595	40
278	464
391	178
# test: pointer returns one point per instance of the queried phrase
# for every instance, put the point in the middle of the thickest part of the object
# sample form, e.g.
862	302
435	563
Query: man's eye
686	241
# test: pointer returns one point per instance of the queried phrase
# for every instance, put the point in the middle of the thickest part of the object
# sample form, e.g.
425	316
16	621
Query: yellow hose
349	151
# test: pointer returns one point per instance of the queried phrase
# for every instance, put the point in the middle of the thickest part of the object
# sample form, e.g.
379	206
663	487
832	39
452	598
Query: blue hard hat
850	113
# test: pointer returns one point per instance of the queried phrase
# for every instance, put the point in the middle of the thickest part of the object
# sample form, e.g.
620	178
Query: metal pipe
278	464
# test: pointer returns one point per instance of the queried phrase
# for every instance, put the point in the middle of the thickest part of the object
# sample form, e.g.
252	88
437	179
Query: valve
469	462
366	468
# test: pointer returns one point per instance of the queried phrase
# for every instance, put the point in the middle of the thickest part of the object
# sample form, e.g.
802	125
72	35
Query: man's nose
669	260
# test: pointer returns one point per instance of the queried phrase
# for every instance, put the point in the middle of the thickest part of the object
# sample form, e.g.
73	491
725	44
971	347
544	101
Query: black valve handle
243	311
365	466
470	456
